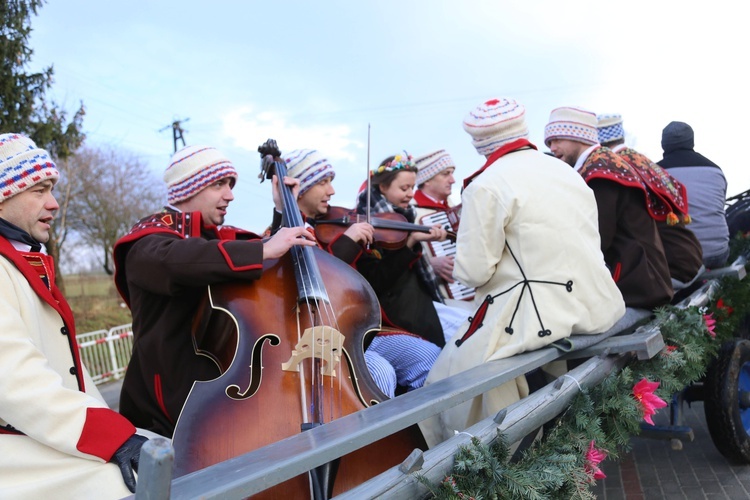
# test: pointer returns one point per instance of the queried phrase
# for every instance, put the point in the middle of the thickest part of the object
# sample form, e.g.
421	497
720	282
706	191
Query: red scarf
39	271
508	148
424	201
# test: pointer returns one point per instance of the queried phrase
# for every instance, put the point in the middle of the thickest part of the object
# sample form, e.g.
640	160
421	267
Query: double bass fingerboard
449	220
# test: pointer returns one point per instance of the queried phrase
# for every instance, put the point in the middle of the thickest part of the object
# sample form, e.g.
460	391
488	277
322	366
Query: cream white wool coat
39	396
542	210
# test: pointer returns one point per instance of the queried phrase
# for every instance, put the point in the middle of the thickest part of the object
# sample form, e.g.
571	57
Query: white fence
106	353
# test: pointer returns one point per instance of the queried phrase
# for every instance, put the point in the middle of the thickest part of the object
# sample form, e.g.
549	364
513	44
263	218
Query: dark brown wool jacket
163	271
631	245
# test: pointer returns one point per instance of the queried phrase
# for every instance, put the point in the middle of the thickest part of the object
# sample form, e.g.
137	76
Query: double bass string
320	313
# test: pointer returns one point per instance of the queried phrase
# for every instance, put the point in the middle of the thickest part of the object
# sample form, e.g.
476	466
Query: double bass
291	355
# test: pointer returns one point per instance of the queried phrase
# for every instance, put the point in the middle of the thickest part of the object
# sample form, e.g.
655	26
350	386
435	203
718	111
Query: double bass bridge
321	342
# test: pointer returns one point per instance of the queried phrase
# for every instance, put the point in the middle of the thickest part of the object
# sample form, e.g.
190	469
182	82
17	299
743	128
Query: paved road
652	470
111	393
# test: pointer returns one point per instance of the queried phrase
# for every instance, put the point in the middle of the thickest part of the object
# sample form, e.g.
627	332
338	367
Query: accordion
449	220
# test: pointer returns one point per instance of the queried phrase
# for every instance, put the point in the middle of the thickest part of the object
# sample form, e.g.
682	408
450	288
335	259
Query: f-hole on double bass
291	355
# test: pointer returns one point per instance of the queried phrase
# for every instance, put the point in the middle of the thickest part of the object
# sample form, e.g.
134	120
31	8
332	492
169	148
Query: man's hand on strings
289	181
286	238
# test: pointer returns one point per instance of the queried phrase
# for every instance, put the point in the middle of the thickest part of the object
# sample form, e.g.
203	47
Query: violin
391	228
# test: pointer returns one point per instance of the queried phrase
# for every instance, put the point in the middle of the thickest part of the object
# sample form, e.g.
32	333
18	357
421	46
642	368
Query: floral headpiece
399	162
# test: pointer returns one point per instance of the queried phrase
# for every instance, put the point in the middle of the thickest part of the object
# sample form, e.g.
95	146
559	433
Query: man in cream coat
57	435
529	243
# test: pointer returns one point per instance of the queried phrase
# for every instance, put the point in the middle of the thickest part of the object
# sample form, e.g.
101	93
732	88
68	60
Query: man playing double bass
163	267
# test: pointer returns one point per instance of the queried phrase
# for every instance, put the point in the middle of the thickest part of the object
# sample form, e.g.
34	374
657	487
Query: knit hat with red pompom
494	123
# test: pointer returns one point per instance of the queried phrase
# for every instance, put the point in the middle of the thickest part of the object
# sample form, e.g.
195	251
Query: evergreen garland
601	420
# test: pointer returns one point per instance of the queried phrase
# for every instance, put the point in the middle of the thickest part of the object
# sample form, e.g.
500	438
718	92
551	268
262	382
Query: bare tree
110	191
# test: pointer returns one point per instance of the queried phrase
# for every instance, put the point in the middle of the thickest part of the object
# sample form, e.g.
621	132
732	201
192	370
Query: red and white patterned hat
571	123
194	168
495	123
22	165
432	164
309	166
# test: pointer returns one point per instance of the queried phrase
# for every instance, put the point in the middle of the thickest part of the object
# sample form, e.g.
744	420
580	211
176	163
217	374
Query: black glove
126	458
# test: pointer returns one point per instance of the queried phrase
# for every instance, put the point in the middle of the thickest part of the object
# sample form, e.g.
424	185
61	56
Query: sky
319	75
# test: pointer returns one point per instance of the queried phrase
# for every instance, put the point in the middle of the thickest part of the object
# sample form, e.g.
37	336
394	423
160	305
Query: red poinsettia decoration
669	349
710	324
722	306
594	457
643	392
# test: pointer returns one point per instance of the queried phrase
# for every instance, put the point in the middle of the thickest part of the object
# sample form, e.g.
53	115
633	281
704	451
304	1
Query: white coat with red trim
55	437
529	226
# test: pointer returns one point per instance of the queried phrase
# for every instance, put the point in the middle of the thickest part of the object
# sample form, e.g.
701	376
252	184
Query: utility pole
177	132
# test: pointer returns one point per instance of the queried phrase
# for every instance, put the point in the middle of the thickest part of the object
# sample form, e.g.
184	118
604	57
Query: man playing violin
163	267
394	358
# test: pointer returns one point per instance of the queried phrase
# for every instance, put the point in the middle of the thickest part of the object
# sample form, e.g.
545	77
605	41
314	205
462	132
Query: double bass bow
291	355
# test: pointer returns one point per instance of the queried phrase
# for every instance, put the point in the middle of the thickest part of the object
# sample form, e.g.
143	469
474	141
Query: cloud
244	126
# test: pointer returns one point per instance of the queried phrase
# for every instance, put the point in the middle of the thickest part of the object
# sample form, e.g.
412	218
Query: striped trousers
400	359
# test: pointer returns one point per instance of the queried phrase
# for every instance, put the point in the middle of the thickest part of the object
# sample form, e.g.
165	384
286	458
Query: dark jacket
163	268
404	299
631	245
682	249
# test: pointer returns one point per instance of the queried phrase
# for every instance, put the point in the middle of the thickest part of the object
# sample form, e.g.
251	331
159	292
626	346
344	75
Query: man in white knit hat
59	439
529	243
162	269
432	200
630	239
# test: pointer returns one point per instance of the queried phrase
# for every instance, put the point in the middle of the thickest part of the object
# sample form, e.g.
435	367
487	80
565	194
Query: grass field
95	302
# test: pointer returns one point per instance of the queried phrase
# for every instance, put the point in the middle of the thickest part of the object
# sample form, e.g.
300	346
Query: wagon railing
634	337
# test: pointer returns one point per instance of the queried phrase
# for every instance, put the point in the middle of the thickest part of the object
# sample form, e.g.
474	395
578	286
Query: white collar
24	247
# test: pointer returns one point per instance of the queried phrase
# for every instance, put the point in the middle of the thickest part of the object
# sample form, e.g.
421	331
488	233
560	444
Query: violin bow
369	180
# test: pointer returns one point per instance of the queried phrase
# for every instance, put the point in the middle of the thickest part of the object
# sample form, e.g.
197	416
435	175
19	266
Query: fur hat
677	135
432	164
609	128
575	124
194	168
309	166
23	165
495	123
